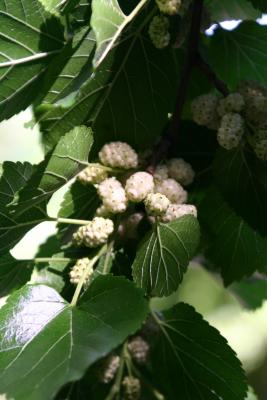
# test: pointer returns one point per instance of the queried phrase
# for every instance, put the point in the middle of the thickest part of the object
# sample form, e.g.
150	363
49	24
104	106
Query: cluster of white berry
131	388
162	194
138	349
108	368
79	269
231	115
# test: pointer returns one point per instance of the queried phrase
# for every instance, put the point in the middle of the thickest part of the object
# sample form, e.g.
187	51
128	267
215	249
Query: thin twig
210	74
170	137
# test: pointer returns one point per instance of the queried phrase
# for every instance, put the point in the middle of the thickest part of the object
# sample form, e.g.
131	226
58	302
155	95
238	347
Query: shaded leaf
234	247
112	100
13	274
252	292
231	9
42	330
260	4
164	254
240	54
192	358
59	167
239	176
108	22
28	42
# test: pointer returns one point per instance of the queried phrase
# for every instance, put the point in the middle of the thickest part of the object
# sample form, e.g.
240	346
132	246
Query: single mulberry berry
112	195
170	7
78	270
161	172
176	211
138	349
260	144
138	186
234	102
132	388
231	131
204	110
171	189
181	171
108	368
156	204
255	96
159	31
92	175
118	155
95	233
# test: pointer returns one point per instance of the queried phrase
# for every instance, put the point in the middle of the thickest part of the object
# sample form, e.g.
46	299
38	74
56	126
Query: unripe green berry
170	7
159	31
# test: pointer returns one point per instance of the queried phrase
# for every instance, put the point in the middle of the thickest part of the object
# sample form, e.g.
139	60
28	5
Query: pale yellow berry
78	270
118	155
138	349
204	110
92	175
95	233
171	189
138	186
231	130
234	102
176	211
170	7
156	204
181	171
108	368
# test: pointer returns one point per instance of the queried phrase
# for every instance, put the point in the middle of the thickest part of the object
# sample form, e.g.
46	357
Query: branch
212	77
169	138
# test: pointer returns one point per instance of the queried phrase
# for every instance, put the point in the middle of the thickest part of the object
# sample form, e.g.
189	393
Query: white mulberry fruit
138	186
78	270
156	204
132	388
112	195
95	233
92	175
181	171
161	172
159	31
171	189
231	131
170	7
108	369
234	102
138	349
118	155
204	110
260	144
255	96
176	211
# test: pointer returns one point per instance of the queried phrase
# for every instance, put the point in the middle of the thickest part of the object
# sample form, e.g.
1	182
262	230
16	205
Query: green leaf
231	9
252	292
67	159
52	6
164	254
13	176
260	4
108	22
240	54
240	177
234	247
28	43
80	202
46	343
13	274
111	101
192	358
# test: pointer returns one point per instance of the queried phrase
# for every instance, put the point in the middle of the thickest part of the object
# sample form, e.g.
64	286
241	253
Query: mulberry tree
156	131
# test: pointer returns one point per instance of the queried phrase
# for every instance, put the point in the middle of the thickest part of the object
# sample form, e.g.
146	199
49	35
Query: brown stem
210	74
162	149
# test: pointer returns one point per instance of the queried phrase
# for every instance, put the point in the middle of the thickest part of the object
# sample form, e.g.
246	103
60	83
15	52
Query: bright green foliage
61	341
192	358
164	255
28	43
